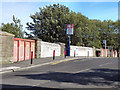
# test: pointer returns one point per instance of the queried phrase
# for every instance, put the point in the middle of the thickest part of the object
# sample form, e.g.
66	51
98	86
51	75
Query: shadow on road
96	77
21	87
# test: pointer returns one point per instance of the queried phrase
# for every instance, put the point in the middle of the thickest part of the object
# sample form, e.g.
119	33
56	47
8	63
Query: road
78	73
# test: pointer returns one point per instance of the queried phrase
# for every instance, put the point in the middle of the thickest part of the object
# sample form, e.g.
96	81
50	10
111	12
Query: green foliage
109	31
49	24
13	28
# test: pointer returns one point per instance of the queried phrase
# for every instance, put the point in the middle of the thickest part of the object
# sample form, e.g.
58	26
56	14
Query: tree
79	21
116	36
49	23
94	34
108	32
14	28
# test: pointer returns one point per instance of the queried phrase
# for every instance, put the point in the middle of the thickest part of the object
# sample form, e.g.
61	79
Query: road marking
84	59
63	61
56	62
82	70
105	64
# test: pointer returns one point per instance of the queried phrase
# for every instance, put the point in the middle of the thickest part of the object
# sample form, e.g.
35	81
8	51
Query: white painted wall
91	51
80	51
48	48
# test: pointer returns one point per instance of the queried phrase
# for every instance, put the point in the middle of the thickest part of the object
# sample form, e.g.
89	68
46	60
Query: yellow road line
56	62
63	61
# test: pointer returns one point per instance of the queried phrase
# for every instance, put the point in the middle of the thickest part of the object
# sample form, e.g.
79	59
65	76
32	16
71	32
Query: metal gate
23	49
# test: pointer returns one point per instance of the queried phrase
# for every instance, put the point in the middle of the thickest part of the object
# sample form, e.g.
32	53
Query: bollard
53	54
74	53
65	53
31	57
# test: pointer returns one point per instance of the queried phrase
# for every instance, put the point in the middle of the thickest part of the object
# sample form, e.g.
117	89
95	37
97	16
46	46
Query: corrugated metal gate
23	49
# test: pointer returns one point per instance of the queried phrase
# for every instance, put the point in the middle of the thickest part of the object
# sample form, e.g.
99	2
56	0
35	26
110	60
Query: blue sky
92	10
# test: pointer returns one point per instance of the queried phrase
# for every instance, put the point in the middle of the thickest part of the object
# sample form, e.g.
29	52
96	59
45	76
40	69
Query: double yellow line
63	61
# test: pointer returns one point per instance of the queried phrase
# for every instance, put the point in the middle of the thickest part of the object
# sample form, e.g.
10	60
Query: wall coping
24	39
34	38
6	34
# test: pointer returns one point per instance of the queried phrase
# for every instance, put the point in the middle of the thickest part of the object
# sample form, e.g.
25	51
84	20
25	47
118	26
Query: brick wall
6	47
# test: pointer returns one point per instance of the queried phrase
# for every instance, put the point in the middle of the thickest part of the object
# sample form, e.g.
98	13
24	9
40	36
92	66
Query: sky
92	10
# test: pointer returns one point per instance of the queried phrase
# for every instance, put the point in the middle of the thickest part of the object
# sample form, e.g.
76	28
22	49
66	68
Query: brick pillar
6	47
38	48
101	52
94	51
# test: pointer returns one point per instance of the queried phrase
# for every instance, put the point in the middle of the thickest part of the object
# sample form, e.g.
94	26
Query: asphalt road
79	73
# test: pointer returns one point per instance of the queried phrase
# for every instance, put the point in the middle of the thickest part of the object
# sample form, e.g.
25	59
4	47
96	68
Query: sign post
69	47
69	32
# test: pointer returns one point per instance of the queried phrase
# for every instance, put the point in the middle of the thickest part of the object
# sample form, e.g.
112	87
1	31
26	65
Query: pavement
26	64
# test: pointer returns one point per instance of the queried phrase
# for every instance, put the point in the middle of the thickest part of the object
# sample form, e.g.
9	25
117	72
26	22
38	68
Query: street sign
69	29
